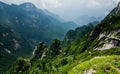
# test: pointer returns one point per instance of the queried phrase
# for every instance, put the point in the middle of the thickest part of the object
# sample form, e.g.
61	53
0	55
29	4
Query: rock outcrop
108	40
38	51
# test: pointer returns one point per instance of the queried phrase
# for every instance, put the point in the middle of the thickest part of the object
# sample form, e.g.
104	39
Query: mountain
108	31
85	19
12	45
97	52
79	32
22	26
69	25
102	47
33	23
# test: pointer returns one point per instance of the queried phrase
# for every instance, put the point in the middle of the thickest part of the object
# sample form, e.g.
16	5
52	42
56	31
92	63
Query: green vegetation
21	29
55	47
100	65
77	56
22	65
118	34
64	63
10	41
79	32
114	26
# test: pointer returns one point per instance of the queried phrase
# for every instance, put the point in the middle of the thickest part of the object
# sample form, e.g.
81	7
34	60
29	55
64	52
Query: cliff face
111	22
108	40
107	32
39	51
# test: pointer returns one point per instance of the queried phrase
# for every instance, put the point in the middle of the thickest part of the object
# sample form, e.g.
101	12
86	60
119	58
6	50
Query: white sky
71	9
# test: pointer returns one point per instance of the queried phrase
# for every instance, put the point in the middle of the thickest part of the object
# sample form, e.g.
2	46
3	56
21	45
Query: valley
36	41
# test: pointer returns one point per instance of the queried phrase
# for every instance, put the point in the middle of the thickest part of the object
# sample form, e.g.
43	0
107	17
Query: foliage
55	47
12	45
79	56
20	65
101	65
79	32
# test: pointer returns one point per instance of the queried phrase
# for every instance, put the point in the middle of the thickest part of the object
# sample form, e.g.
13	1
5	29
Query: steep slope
103	41
86	55
107	32
79	32
12	45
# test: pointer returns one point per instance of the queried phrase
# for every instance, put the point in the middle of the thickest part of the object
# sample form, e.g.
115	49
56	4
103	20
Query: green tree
55	47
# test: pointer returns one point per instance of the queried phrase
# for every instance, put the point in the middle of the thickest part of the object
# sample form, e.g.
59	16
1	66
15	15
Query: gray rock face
117	10
38	51
118	5
111	19
108	40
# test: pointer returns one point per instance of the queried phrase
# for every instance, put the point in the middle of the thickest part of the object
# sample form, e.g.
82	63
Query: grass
101	65
118	34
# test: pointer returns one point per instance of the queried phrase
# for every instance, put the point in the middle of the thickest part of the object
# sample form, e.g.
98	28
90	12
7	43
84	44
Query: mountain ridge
80	56
21	28
33	18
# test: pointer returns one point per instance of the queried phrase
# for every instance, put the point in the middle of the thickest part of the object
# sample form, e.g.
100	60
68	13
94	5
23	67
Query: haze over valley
60	37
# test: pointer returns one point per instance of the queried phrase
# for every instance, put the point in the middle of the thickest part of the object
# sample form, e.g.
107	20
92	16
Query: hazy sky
71	9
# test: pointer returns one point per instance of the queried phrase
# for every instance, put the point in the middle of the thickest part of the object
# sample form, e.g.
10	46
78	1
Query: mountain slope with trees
22	26
12	45
81	56
34	23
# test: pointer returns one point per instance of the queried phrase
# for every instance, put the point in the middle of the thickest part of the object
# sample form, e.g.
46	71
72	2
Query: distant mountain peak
28	5
116	11
1	2
118	6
